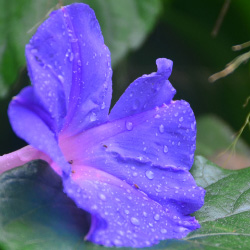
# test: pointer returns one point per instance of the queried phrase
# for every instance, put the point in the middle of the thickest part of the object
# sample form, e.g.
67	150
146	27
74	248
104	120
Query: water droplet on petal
145	214
129	125
126	211
149	174
102	197
103	105
135	221
163	230
92	117
158	188
165	149
181	119
94	207
135	105
61	78
182	229
33	51
157	217
161	128
193	126
117	242
71	57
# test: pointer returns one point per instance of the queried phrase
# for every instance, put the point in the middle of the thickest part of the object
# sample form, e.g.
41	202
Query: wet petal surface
163	136
122	215
151	151
64	76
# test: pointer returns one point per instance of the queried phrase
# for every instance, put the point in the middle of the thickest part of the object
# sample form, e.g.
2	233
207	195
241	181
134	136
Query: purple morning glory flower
128	168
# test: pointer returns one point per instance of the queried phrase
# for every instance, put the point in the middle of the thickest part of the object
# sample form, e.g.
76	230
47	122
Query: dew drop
135	221
182	229
61	78
94	207
158	189
135	105
161	128
117	242
102	197
149	174
103	106
121	232
165	149
126	211
33	51
181	119
145	214
157	217
163	230
92	117
71	57
129	125
193	126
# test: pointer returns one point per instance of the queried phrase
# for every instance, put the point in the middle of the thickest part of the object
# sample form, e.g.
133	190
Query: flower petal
146	92
122	215
31	122
153	151
67	59
164	136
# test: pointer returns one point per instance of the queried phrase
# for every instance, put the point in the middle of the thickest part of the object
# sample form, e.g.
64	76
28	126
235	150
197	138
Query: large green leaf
36	214
125	25
225	216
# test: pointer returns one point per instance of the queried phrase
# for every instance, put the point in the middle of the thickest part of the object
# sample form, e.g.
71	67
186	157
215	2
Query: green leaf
35	213
224	218
125	25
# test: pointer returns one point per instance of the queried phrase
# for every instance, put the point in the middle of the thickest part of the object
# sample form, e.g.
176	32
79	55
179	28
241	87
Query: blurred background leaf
125	25
216	141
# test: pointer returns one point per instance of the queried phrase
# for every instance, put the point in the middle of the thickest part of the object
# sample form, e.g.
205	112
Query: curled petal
146	92
122	215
